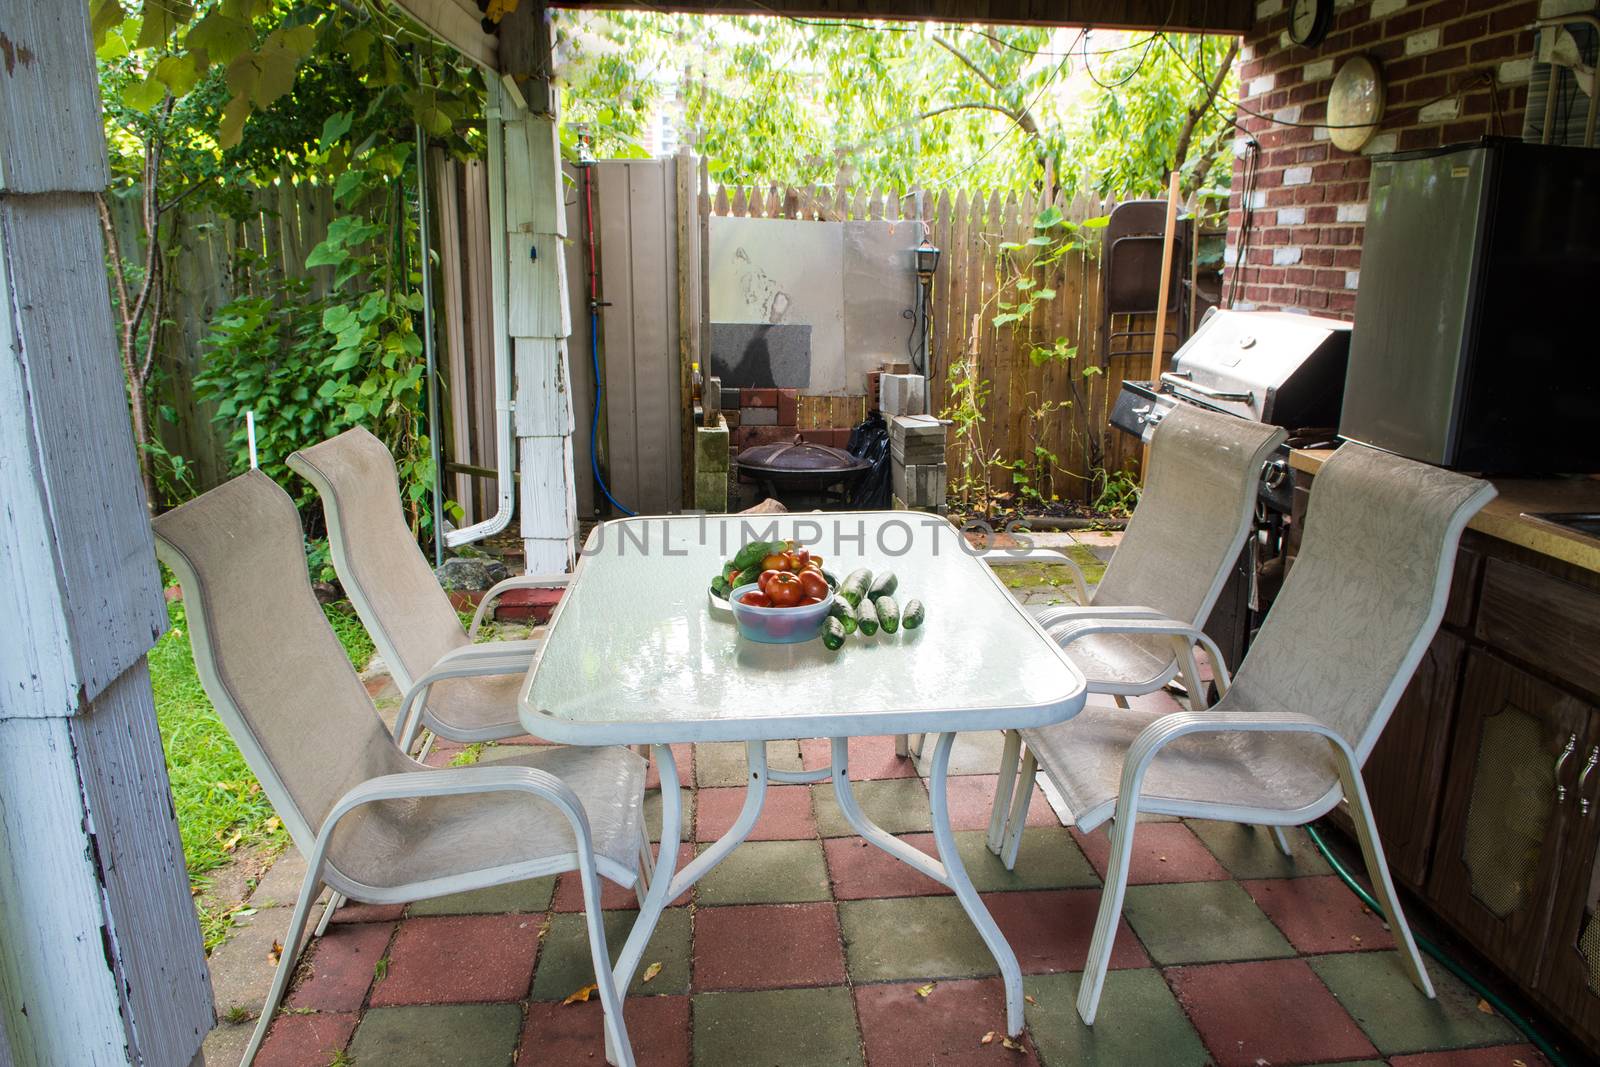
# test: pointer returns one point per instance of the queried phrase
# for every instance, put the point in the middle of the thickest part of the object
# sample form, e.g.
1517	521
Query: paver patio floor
813	949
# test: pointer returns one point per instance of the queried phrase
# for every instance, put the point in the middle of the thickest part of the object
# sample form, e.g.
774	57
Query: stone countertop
1507	515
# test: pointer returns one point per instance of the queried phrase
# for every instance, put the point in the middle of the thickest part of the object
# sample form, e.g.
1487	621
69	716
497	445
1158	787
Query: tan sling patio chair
1286	741
457	689
373	824
1139	629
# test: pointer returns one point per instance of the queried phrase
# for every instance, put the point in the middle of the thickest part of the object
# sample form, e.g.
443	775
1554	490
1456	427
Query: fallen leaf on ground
1029	999
1485	1007
926	990
1014	1046
276	953
651	971
987	1039
231	843
582	995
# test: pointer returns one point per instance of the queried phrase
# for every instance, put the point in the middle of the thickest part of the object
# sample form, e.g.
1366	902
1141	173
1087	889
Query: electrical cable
594	341
1499	1005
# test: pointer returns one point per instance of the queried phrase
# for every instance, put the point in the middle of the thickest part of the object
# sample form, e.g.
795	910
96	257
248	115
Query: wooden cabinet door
1509	789
1405	772
1570	975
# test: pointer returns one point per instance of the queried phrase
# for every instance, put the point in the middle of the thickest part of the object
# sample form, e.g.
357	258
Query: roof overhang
459	24
1182	16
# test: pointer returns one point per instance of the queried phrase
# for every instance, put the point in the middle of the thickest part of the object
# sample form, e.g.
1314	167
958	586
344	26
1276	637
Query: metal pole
425	268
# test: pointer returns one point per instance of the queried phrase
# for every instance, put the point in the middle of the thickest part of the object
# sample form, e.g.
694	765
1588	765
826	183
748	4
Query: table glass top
634	641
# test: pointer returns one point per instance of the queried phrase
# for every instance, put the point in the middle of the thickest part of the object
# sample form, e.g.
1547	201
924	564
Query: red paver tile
1319	914
460	959
355	912
569	889
306	1040
341	964
443	752
1160	700
682	759
860	871
945	1028
786	815
1270	1011
1050	929
556	1035
1496	1056
972	800
767	946
871	758
1162	852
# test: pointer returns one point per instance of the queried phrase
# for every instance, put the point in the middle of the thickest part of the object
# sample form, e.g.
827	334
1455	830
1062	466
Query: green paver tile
1250	851
899	805
1202	922
1374	988
565	965
529	896
464	1035
911	937
974	752
1048	859
724	763
777	1028
1139	1022
652	814
767	872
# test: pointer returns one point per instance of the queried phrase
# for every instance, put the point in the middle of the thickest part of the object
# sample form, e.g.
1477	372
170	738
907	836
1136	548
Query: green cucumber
720	587
888	614
752	554
884	585
841	611
912	614
855	586
867	619
833	633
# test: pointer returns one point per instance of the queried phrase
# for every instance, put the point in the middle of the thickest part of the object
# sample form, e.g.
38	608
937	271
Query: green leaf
144	95
1099	222
221	38
346	359
327	253
1045	294
104	16
1026	283
1039	240
1050	216
348	183
334	127
160	19
177	72
1001	320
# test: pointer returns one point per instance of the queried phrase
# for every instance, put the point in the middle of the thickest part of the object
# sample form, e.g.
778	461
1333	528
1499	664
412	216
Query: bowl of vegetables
787	602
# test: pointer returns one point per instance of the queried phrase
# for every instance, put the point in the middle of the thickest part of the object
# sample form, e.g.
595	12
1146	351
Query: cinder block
758	416
919	485
758	398
711	398
732	418
711	491
902	394
711	448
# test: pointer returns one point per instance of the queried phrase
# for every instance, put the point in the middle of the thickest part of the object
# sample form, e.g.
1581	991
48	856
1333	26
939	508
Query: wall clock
1355	103
1310	21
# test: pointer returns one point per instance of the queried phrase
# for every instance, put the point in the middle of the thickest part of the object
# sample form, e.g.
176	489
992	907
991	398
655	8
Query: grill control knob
1274	473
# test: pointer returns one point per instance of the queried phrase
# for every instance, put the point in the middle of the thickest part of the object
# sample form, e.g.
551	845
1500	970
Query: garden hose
1444	961
595	304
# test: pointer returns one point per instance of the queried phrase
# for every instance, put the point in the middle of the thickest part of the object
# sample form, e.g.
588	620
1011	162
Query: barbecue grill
801	466
1267	366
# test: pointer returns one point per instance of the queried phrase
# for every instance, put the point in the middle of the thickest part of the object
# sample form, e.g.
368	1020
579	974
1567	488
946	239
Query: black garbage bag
870	441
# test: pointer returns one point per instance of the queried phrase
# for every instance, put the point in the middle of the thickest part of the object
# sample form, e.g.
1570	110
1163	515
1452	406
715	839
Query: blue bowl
778	626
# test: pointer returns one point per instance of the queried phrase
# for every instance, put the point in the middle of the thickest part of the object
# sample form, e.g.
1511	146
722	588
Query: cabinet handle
1583	776
1566	752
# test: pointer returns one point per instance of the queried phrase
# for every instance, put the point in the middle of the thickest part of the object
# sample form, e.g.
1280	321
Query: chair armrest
1062	613
521	651
499	589
1004	556
1163	731
482	666
1152	625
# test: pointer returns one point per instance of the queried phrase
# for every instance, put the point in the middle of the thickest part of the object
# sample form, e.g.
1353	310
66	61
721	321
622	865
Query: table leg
948	870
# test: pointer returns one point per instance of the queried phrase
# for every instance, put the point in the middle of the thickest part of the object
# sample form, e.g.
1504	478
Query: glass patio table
635	656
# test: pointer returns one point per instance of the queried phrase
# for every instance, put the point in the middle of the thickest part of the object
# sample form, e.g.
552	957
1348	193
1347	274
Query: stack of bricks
711	463
917	463
1454	70
767	416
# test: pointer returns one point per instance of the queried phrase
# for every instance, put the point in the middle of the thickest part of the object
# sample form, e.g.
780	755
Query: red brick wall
1310	202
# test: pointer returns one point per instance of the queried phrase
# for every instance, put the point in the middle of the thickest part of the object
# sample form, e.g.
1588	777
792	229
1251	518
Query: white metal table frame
1058	697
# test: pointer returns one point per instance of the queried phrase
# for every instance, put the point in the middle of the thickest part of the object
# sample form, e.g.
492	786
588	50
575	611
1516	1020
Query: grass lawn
220	806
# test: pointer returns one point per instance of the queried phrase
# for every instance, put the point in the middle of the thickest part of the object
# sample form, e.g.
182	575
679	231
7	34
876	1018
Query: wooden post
1158	349
100	955
688	315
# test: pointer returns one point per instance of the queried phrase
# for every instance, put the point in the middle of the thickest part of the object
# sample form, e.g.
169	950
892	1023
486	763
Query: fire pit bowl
800	466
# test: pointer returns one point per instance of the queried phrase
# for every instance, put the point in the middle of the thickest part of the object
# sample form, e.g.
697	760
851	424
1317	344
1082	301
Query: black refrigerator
1476	343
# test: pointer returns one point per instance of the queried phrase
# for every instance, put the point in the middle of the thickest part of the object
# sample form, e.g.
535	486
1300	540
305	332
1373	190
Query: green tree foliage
905	104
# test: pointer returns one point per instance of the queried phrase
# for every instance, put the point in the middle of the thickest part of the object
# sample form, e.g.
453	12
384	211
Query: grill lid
1267	366
799	457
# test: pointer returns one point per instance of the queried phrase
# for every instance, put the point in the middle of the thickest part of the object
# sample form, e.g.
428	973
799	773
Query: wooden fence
1057	405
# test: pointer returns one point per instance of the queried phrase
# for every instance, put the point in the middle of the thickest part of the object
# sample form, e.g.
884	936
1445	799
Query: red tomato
802	556
808	601
766	576
756	600
815	562
814	584
785	590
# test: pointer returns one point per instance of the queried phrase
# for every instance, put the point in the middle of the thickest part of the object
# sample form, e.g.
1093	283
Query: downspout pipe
499	254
